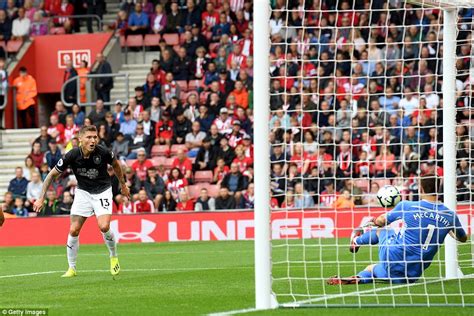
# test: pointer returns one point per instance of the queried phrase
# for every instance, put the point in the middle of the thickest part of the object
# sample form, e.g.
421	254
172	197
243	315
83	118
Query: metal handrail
4	104
89	76
78	16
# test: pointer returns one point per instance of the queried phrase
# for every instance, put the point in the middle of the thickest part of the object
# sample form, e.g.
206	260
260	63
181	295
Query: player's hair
90	128
429	183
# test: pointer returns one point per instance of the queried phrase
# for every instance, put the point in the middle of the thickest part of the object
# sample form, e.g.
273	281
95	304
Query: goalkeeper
404	256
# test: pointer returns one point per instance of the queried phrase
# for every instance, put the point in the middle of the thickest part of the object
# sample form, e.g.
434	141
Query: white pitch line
234	312
125	270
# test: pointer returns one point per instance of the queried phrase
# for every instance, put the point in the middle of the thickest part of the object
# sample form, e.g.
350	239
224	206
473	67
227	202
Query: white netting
356	102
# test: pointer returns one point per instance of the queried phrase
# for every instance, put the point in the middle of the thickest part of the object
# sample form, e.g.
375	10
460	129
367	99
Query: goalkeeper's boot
356	233
335	280
71	272
114	266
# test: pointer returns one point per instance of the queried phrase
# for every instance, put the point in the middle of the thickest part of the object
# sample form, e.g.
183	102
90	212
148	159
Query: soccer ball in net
389	196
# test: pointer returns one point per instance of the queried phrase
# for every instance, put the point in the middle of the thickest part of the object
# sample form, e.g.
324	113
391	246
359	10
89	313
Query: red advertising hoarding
191	226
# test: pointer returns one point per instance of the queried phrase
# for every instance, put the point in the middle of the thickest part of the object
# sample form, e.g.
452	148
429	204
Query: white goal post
264	295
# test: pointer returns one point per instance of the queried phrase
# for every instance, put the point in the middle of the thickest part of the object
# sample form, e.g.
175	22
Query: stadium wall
194	226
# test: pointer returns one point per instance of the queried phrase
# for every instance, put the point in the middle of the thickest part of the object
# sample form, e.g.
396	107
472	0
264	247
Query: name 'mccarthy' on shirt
91	173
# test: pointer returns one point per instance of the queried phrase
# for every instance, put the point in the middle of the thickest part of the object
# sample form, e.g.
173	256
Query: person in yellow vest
26	93
83	71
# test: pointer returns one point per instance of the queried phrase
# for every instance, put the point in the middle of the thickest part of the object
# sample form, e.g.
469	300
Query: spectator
36	155
120	146
56	129
5	26
12	9
164	130
20	210
194	139
183	163
329	195
154	186
141	101
151	89
94	7
185	203
226	152
158	20
8	203
70	91
344	200
29	168
220	171
97	116
205	202
140	142
176	183
129	126
78	115
104	84
21	26
223	27
249	197
39	27
141	165
26	93
206	156
132	182
224	123
71	130
143	204
169	89
241	95
125	207
64	207
52	156
33	189
302	197
138	22
112	127
50	204
385	164
159	73
44	170
225	201
155	111
410	102
60	111
82	72
174	19
18	185
182	126
182	66
168	204
119	116
235	182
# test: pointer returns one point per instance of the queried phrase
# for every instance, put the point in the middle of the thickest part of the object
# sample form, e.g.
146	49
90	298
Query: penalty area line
126	270
235	312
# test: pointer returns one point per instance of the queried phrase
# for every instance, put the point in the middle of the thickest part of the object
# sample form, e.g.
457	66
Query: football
388	196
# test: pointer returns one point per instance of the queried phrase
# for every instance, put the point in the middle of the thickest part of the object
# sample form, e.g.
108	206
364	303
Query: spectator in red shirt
56	129
125	207
176	183
241	160
183	163
329	195
70	130
220	171
185	203
36	155
141	165
164	130
144	204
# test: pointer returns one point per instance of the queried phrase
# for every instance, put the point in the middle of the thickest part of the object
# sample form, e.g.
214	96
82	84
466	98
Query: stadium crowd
353	108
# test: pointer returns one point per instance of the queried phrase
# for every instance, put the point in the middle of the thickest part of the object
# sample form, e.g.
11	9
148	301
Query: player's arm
385	219
119	174
53	174
458	232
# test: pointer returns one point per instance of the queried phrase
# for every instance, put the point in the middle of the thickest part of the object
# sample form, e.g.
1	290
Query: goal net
358	96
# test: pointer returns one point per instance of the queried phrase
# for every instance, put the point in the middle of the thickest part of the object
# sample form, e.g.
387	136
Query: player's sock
368	238
365	277
72	247
109	239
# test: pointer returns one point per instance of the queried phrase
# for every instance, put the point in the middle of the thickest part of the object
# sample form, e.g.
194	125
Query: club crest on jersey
97	159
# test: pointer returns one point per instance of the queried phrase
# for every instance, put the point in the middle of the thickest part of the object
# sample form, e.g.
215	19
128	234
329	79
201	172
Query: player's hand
38	205
125	190
370	222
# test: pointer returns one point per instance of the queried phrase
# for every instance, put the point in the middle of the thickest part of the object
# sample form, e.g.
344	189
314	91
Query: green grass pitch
197	278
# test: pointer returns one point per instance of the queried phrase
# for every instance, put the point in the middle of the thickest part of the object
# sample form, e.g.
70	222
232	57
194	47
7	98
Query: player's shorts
86	204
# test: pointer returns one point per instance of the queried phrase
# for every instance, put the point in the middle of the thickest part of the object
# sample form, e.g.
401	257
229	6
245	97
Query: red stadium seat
213	190
122	41
183	85
203	176
194	191
363	184
13	47
158	161
134	41
176	48
182	38
193	85
159	150
3	45
175	148
171	39
152	40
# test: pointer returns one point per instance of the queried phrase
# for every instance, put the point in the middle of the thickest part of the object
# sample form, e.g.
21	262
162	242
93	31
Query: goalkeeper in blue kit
405	255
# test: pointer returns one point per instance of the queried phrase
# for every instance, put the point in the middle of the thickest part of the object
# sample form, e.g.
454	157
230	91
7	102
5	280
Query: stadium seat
194	191
3	45
13	47
134	41
152	40
183	85
158	161
203	176
130	162
171	39
57	30
176	48
193	85
182	38
159	150
213	190
175	148
122	41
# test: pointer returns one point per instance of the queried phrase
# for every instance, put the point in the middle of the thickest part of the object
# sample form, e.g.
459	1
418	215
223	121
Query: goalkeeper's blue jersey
426	225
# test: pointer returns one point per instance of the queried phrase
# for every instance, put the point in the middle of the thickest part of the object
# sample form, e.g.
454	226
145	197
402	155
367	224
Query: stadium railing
89	90
78	16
